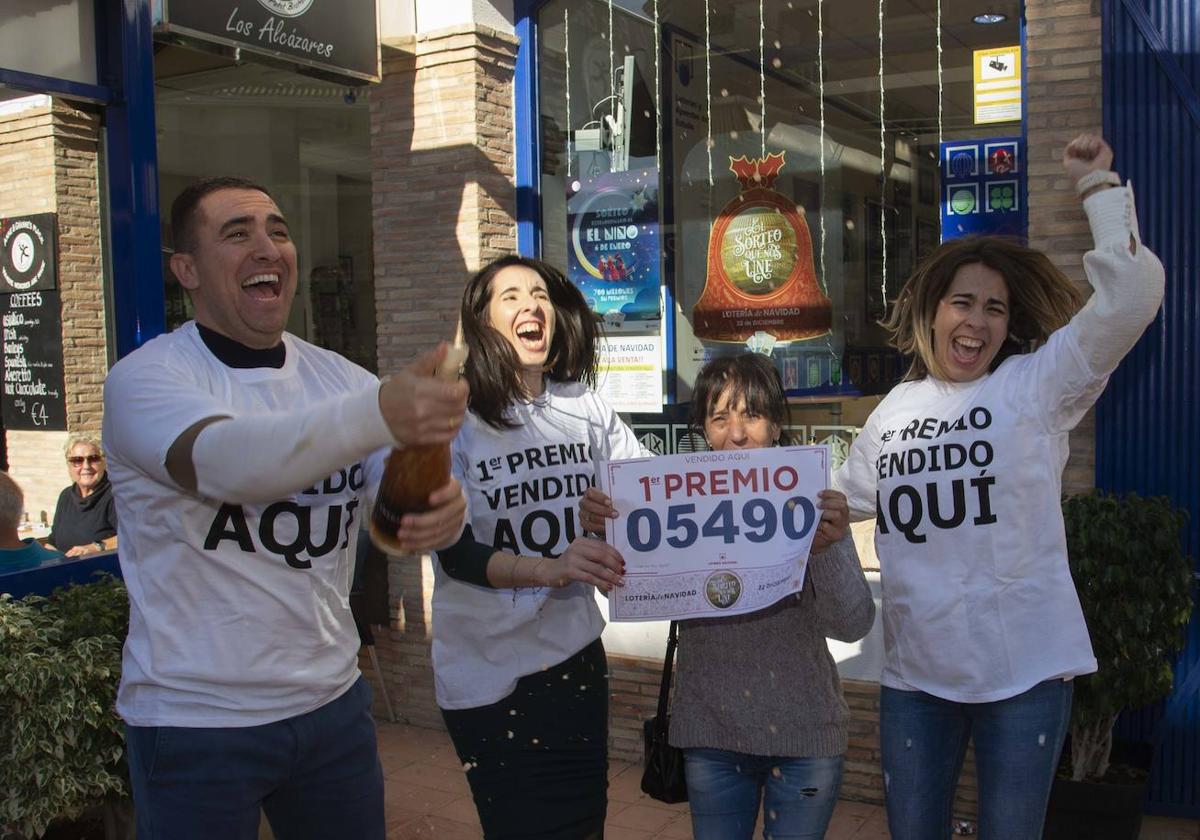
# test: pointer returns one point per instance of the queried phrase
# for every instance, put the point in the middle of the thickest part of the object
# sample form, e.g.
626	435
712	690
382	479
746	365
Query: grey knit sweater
764	683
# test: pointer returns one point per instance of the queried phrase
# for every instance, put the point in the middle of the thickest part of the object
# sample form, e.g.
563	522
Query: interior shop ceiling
185	75
330	121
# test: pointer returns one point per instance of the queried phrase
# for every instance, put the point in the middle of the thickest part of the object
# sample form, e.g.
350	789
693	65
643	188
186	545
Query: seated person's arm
107	544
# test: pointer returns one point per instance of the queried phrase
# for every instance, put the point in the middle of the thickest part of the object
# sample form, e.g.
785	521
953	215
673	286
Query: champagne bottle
413	472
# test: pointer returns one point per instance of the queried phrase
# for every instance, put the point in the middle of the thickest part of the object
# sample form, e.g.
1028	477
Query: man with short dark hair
242	459
17	554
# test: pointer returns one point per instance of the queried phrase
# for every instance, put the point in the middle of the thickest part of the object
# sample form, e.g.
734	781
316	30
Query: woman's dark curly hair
493	370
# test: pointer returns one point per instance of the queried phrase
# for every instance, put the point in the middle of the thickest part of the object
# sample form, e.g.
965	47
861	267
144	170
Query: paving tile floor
427	797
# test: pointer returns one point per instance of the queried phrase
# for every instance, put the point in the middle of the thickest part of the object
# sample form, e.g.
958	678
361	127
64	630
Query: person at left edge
17	554
241	459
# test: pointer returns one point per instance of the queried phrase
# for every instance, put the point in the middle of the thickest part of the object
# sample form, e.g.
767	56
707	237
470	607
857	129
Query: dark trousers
316	776
537	760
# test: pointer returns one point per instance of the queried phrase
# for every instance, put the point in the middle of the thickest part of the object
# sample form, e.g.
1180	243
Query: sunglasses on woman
77	460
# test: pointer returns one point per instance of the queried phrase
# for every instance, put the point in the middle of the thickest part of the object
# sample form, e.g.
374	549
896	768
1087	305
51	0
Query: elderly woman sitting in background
85	519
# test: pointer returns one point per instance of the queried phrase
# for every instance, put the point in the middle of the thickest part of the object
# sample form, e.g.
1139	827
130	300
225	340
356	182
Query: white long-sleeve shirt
965	481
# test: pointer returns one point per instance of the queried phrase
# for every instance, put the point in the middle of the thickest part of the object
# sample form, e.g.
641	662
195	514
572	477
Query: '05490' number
758	523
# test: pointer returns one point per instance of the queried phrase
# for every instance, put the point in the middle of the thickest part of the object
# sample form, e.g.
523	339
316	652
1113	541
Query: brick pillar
48	164
80	264
1064	99
443	200
442	154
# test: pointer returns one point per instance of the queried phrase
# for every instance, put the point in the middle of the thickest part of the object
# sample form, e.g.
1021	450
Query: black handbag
662	773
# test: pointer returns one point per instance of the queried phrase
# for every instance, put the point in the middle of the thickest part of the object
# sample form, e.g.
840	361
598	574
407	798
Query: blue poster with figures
614	256
983	187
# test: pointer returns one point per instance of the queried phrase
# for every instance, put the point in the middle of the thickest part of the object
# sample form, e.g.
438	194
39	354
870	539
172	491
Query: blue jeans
316	776
725	788
1017	744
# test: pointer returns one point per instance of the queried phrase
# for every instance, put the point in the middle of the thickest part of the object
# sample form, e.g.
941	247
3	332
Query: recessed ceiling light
988	18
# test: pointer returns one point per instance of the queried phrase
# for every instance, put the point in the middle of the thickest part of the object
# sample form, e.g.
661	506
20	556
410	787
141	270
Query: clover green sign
1002	197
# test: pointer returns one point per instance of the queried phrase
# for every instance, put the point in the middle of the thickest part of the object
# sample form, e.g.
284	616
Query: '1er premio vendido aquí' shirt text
523	488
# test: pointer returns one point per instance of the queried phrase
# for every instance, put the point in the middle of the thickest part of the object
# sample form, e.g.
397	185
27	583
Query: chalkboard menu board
33	361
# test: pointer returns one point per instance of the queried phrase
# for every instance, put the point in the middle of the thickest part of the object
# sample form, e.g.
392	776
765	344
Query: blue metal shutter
1148	422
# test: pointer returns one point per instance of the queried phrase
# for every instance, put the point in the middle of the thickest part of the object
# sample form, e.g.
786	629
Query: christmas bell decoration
760	277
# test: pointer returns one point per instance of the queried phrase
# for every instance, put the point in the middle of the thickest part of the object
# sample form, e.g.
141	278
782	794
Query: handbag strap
664	691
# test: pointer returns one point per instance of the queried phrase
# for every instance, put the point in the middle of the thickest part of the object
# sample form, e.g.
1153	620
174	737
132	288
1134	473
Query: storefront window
308	142
788	221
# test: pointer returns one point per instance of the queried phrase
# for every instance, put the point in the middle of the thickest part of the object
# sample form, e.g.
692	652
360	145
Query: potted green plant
1135	587
62	746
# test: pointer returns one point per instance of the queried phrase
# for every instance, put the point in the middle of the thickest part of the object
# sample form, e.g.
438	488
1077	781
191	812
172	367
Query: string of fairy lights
821	107
657	91
823	142
939	71
612	70
708	93
821	277
762	82
567	59
883	266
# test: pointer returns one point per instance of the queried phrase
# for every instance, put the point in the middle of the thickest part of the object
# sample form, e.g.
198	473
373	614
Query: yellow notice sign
997	85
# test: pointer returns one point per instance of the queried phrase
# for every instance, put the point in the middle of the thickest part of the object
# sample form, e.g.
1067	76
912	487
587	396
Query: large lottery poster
713	533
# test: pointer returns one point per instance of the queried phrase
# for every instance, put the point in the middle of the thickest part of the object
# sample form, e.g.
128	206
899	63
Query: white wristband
1097	178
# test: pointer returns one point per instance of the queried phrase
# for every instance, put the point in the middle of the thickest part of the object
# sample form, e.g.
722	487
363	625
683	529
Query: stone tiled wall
27	162
80	266
48	164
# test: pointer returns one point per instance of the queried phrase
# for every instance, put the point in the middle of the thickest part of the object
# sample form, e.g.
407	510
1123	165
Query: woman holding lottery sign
961	465
758	707
520	672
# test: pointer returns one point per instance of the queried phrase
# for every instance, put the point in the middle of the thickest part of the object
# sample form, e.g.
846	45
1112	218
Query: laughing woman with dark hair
520	672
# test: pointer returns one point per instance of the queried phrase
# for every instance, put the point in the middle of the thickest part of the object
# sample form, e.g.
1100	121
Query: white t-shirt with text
978	604
965	482
239	613
523	487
